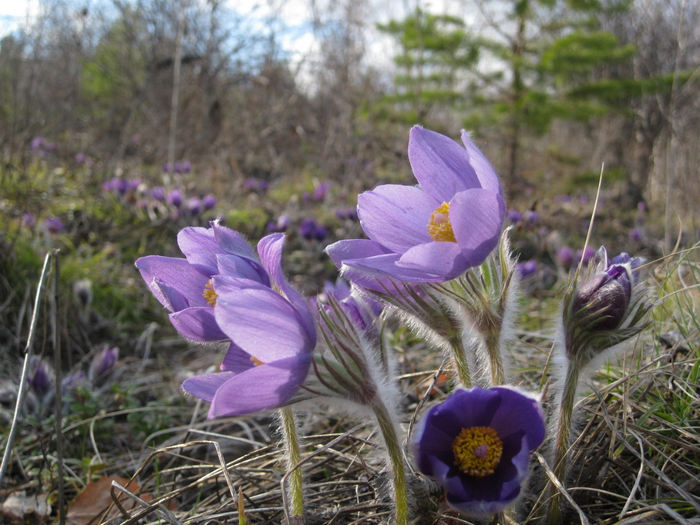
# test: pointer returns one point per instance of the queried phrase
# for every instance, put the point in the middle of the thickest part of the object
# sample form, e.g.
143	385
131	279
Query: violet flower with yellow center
432	232
183	286
476	444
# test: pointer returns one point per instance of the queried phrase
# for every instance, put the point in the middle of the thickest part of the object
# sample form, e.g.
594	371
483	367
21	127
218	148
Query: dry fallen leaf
92	503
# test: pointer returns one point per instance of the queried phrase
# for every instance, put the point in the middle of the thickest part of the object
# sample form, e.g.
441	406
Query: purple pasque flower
432	232
54	225
184	286
274	342
40	375
28	220
158	194
565	257
585	255
604	298
273	336
307	229
102	364
175	198
514	216
526	268
209	201
320	192
194	205
476	444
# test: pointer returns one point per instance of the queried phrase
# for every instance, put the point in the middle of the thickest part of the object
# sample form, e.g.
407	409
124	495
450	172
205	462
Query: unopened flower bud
603	298
103	363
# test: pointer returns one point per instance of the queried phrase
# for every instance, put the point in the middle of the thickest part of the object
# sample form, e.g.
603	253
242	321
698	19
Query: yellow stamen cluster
256	361
209	294
439	226
477	451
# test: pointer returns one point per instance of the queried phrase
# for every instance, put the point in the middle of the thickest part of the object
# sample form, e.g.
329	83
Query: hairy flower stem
461	362
391	440
291	441
493	350
562	438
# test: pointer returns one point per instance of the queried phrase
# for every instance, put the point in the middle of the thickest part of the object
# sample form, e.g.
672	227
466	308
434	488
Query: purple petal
518	412
441	260
200	248
176	273
236	360
482	167
205	386
231	241
477	218
396	216
270	251
198	324
354	249
260	388
172	299
440	165
237	266
263	323
384	266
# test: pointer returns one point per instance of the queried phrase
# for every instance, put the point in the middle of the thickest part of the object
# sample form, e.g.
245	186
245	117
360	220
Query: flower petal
382	267
198	324
396	216
176	273
518	412
270	250
440	165
487	175
263	323
172	299
231	241
441	261
477	219
236	360
237	266
354	249
200	248
205	386
260	388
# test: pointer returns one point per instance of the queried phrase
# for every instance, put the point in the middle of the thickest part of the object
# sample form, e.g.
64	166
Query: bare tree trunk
176	94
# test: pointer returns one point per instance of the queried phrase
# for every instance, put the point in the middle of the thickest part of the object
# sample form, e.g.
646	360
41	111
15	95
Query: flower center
477	451
256	361
209	294
439	226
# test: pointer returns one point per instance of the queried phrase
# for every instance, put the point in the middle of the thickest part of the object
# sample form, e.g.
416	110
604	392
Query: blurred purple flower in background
102	364
636	235
54	225
565	257
531	217
346	214
526	269
158	194
28	220
194	205
307	229
37	144
321	191
476	444
281	225
585	255
514	216
209	201
80	158
431	232
40	376
563	198
175	198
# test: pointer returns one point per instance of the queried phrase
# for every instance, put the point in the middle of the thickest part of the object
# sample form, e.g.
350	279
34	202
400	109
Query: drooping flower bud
102	364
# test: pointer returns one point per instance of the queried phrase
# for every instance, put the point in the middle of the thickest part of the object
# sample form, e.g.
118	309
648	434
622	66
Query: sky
299	41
